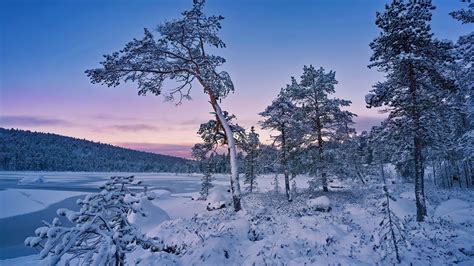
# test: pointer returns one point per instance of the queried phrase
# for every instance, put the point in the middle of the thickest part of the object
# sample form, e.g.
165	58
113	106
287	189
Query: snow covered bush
218	198
319	204
391	228
32	180
101	233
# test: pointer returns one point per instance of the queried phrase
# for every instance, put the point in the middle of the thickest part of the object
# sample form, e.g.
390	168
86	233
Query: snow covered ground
272	231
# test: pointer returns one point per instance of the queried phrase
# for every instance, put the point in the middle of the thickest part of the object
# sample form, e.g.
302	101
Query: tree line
22	150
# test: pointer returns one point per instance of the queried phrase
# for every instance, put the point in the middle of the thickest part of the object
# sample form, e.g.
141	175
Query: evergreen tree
101	233
324	115
252	148
180	54
465	15
200	152
214	136
281	116
411	58
267	160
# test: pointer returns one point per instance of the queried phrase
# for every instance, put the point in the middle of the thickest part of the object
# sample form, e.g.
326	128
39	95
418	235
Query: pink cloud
179	150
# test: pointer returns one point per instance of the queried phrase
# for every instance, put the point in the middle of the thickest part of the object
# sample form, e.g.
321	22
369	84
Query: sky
46	45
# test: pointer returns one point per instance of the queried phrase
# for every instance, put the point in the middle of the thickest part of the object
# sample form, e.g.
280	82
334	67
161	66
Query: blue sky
47	45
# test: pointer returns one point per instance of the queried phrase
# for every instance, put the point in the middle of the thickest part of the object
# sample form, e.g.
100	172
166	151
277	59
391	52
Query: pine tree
391	230
323	114
268	159
281	116
101	233
200	152
251	147
466	16
214	136
411	58
180	54
462	102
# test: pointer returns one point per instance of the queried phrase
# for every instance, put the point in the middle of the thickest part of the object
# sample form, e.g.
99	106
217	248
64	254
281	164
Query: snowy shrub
319	204
101	233
32	180
218	198
391	229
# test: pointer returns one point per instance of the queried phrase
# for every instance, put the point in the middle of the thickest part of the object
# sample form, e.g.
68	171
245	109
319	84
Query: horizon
43	86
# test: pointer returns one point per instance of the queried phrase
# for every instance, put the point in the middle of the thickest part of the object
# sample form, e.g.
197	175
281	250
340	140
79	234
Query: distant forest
22	150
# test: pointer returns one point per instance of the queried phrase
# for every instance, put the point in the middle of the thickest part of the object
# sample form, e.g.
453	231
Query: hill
22	150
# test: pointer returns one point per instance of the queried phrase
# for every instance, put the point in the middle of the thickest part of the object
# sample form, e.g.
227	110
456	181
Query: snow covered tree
101	235
350	156
411	58
456	153
180	54
281	116
323	114
451	155
200	152
251	148
465	15
268	161
213	134
391	230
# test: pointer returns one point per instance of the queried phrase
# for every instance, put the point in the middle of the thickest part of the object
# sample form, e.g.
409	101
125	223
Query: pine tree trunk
325	182
320	154
252	177
285	164
419	184
234	176
417	150
382	172
466	174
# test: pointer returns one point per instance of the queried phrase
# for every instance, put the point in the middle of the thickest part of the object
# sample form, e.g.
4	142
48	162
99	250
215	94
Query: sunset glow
47	45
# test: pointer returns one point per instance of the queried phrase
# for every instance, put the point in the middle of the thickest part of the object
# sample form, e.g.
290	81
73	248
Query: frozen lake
24	206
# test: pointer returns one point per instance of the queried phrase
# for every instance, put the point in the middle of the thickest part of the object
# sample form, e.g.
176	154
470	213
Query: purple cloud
134	127
114	117
179	150
20	120
365	123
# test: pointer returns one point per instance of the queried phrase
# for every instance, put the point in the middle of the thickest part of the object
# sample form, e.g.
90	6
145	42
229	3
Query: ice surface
32	180
20	201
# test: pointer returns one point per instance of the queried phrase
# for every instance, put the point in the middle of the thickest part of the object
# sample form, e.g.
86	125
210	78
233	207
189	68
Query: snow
21	201
154	216
219	196
32	260
455	210
180	206
403	207
270	230
319	203
32	180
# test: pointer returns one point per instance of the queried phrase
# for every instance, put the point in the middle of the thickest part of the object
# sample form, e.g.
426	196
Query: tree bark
417	150
252	177
320	153
285	165
234	176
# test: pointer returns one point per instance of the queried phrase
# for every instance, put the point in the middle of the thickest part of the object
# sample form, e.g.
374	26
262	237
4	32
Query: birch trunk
234	171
